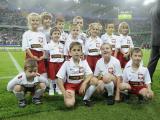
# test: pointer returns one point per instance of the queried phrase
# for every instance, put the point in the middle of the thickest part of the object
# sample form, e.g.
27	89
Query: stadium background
13	16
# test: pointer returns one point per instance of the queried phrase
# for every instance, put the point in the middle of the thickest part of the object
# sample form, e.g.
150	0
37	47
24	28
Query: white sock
19	95
110	88
38	93
89	92
51	87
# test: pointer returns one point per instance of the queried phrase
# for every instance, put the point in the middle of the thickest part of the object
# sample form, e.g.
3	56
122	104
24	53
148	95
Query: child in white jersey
33	42
92	45
109	36
136	78
60	25
29	80
77	73
124	45
56	58
107	75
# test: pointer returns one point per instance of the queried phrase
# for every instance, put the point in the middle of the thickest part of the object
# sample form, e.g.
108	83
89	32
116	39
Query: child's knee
124	86
18	88
69	103
93	81
42	85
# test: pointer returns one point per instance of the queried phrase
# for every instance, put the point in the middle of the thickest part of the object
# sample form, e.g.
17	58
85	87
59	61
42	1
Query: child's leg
51	87
19	93
69	98
91	89
38	93
146	93
57	88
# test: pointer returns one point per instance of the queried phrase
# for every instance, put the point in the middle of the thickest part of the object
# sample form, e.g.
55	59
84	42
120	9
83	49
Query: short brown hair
30	63
44	15
75	44
136	50
54	29
59	19
106	44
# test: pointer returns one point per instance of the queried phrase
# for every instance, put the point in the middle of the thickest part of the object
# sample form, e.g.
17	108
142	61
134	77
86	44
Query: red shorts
136	88
72	86
41	63
122	60
92	60
53	68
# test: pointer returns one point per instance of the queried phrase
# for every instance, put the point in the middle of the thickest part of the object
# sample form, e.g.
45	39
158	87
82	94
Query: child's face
110	28
60	25
47	21
79	22
34	22
76	52
75	31
125	29
31	72
106	51
94	31
136	57
56	35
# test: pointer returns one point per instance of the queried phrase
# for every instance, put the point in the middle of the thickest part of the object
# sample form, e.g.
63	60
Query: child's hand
35	57
41	58
82	88
68	94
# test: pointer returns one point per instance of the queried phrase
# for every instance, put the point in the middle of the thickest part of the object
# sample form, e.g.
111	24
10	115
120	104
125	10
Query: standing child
79	21
92	45
109	36
77	73
33	42
107	75
136	78
60	25
124	45
46	19
56	58
29	80
73	37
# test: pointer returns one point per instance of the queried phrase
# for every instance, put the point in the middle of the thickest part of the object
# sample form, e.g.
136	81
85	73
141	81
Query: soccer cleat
125	97
87	103
110	100
59	92
140	99
51	92
22	103
36	101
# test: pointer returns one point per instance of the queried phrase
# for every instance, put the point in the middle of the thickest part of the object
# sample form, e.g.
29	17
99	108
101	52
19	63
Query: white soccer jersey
21	79
92	47
74	73
68	42
56	51
83	37
33	40
110	39
112	67
141	75
125	43
63	37
46	32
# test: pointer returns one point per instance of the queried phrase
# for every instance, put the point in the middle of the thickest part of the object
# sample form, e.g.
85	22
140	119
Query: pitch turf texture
53	106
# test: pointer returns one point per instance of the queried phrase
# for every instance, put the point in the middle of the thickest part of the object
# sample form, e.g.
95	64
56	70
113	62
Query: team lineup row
79	62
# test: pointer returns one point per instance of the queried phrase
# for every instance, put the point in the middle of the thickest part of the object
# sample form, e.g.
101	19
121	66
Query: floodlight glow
147	2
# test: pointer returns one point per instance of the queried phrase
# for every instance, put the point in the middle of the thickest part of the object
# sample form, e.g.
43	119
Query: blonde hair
31	16
30	63
77	18
121	26
44	15
93	25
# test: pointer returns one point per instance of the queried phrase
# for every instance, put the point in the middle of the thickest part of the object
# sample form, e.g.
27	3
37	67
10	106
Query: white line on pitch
18	67
6	77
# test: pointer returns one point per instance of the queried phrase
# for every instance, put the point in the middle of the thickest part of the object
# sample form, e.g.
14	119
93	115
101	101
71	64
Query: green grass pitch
53	106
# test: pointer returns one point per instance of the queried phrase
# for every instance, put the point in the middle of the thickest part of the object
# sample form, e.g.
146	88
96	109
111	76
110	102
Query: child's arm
31	55
60	85
12	83
85	83
43	56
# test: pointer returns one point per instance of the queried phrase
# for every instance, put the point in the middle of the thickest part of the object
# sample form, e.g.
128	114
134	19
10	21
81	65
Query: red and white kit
137	79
